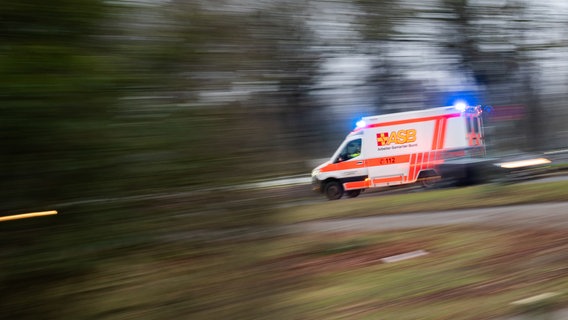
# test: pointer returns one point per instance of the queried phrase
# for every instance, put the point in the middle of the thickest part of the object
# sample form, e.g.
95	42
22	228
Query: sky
346	70
346	63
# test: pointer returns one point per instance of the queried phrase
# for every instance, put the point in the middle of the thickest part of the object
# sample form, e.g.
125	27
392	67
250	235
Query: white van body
400	148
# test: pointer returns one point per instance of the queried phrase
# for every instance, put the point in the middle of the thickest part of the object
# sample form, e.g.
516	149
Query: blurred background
108	99
122	97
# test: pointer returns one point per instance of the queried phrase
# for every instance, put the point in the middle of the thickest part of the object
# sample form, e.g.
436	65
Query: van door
349	163
388	170
475	136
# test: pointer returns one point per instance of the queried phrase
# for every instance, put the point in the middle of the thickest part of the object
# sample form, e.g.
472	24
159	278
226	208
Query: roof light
361	124
460	105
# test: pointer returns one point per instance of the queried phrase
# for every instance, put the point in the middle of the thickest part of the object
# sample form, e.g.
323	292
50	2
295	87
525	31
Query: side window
351	150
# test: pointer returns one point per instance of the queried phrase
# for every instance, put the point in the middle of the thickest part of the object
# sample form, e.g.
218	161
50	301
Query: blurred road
546	215
539	216
557	157
299	185
302	184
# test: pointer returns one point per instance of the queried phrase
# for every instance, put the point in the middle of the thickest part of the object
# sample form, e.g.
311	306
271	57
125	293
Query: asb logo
398	137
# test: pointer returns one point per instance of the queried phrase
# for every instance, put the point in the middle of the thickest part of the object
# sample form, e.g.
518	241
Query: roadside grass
180	258
469	273
558	166
489	195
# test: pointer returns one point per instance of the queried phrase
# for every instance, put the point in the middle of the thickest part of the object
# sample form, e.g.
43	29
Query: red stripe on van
444	125
436	133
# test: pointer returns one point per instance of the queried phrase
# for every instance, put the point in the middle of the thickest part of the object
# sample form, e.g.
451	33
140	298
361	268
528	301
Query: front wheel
333	190
353	193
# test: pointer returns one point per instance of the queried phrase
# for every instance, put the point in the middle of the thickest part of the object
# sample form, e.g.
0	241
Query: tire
353	193
429	183
429	179
333	190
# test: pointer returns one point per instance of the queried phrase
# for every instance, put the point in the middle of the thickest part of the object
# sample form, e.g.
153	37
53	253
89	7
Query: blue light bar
460	105
361	124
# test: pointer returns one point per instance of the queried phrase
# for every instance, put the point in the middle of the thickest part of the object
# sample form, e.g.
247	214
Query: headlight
524	163
315	172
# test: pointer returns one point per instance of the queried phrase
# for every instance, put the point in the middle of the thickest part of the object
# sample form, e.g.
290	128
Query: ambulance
401	149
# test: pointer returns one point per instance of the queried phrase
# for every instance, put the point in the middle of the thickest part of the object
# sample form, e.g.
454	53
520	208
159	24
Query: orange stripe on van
474	139
426	161
419	159
436	132
373	162
416	161
357	185
384	161
345	165
442	139
387	180
411	169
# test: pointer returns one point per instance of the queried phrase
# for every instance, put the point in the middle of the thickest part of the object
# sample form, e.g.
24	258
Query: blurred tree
498	48
500	44
487	37
285	55
378	26
56	93
483	36
255	64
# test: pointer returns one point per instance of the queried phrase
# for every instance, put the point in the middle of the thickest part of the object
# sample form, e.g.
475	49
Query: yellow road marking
28	215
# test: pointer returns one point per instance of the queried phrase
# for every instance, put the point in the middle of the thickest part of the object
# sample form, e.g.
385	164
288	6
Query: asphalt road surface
546	215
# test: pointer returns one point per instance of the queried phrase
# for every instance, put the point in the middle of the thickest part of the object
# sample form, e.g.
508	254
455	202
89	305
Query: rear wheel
429	179
429	182
333	190
353	193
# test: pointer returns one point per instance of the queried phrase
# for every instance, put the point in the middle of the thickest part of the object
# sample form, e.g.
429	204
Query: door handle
359	162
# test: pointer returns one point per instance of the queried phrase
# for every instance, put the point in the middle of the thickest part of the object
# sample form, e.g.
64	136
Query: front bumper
316	185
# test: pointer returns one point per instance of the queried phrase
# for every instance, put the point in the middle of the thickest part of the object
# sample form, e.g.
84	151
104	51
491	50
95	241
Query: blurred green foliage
57	91
97	101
